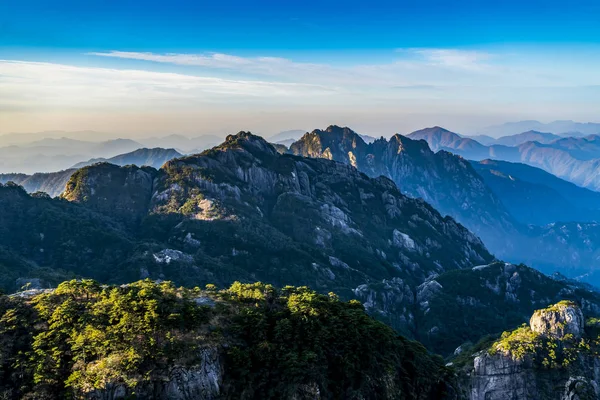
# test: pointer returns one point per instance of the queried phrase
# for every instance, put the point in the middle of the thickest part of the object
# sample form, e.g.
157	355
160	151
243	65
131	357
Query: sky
381	67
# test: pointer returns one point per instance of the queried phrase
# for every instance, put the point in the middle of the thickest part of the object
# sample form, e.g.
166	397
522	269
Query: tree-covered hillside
251	341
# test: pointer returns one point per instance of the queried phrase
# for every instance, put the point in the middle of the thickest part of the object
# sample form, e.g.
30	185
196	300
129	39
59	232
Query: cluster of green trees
548	351
84	337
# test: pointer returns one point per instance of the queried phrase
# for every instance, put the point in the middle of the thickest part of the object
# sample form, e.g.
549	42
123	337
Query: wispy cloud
463	59
409	82
412	67
36	84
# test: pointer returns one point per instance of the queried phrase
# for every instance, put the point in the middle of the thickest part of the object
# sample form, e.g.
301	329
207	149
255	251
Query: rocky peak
444	180
123	192
334	143
540	361
249	142
412	146
558	320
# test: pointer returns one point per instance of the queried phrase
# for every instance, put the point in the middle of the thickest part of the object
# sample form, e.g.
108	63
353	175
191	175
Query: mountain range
513	207
141	157
534	196
454	187
243	211
576	159
333	213
563	128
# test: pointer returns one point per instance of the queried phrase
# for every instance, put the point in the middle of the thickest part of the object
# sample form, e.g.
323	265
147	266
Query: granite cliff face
552	358
447	182
454	187
558	321
201	381
123	192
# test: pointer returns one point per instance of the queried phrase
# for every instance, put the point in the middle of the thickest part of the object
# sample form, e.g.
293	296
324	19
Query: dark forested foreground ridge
153	340
251	341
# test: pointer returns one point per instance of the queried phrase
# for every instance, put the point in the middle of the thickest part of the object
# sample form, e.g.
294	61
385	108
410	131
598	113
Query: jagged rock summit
448	182
552	358
564	318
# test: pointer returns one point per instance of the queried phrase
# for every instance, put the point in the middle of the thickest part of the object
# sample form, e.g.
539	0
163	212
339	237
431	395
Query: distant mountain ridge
155	158
454	187
529	136
52	183
49	155
534	196
563	128
574	159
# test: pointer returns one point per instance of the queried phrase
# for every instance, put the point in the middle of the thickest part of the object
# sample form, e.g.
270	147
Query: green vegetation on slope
83	338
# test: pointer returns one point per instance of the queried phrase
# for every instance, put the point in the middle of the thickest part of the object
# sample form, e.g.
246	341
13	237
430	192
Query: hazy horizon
193	68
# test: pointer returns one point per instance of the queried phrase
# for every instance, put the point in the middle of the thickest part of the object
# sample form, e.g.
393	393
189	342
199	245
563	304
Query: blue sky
381	67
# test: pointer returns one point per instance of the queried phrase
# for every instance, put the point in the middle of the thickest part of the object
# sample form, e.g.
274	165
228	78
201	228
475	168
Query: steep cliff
554	357
123	192
447	182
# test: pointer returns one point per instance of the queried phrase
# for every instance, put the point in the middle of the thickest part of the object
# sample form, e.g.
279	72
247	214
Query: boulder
558	320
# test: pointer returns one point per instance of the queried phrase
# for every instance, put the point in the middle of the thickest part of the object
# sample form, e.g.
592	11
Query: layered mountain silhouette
155	157
55	154
454	187
563	128
529	136
52	183
534	196
243	211
576	159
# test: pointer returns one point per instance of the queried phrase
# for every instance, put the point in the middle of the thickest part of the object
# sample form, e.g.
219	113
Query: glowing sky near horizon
380	67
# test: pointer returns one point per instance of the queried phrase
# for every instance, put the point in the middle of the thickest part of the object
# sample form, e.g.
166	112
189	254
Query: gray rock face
558	321
122	192
201	381
444	180
501	376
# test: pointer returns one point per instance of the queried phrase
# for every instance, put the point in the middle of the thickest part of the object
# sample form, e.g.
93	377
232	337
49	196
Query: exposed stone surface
503	376
559	320
123	192
446	181
201	381
500	377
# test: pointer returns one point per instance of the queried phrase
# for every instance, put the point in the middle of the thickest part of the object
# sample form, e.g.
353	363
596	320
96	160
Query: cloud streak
37	84
412	67
409	82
